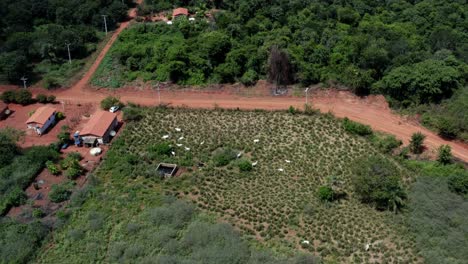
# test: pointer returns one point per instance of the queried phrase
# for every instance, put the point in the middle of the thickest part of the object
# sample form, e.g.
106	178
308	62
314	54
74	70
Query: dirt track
372	110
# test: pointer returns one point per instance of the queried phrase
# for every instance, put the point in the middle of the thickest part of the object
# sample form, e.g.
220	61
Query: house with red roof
42	119
180	12
99	128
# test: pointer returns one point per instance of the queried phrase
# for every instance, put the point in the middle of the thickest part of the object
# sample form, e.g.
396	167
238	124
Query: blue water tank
77	138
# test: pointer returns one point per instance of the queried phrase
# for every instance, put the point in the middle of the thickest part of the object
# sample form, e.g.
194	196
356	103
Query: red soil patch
73	115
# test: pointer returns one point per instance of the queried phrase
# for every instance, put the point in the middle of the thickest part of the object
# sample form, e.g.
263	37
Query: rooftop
180	11
98	124
41	115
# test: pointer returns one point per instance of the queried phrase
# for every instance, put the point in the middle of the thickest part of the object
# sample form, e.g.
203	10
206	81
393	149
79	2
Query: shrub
38	213
110	101
161	149
292	110
132	114
51	98
326	194
52	168
23	97
41	98
458	183
75	156
448	128
356	128
60	192
222	157
74	170
386	143
444	155
377	181
8	96
417	143
60	116
244	165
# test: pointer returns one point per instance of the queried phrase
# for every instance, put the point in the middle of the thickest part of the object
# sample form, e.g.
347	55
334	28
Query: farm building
42	119
99	128
4	111
180	12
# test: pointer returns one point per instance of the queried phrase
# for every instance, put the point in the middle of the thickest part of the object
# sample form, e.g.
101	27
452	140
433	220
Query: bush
222	157
60	192
74	171
41	98
8	96
386	143
356	128
326	193
447	128
160	149
244	165
51	98
377	181
110	101
458	183
52	168
417	143
444	155
60	116
132	114
23	97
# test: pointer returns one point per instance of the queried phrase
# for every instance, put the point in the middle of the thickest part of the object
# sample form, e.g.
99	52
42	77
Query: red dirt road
372	110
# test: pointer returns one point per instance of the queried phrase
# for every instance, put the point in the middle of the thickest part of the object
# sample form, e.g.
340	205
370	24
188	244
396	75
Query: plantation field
275	203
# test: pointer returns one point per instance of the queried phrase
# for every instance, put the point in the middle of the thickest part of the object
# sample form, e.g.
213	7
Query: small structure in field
166	170
42	119
4	111
180	12
99	128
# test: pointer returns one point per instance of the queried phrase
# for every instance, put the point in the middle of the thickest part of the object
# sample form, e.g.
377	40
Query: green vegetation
23	97
444	155
280	207
61	192
18	168
35	33
417	143
18	241
326	193
377	181
438	220
450	118
356	128
109	102
368	46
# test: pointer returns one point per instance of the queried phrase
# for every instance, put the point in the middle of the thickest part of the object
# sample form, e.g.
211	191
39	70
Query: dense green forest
34	34
414	52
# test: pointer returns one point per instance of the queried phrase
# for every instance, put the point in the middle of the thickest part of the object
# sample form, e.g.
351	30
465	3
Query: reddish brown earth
371	110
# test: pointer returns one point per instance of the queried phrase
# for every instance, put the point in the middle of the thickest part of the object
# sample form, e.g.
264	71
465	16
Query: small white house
42	119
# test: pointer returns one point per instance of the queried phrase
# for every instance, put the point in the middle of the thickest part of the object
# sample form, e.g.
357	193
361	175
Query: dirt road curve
372	110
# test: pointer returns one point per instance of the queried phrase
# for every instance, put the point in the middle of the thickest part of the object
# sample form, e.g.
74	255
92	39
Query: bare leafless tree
279	68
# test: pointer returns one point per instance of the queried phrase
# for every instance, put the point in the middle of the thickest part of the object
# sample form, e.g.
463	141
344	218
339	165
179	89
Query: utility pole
24	79
307	95
105	22
159	93
69	55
